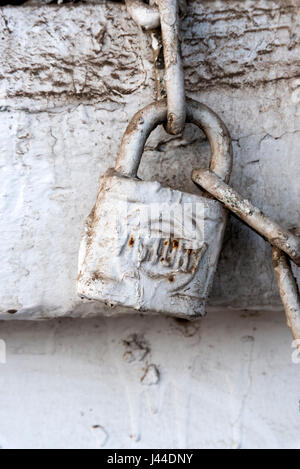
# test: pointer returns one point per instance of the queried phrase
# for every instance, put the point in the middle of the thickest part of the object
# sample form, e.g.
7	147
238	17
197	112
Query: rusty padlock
150	247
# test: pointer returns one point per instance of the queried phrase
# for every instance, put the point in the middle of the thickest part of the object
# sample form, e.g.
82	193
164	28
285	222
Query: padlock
148	247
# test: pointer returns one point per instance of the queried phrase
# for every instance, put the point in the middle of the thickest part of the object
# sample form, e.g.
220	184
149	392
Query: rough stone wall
71	77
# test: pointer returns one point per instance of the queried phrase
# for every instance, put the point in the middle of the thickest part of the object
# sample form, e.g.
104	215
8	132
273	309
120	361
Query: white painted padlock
150	247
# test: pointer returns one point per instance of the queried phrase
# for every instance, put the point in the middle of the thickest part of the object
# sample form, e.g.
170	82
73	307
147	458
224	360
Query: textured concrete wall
71	76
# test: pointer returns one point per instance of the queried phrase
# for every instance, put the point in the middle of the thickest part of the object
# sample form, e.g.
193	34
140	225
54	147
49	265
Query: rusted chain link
146	16
289	290
148	118
171	72
279	237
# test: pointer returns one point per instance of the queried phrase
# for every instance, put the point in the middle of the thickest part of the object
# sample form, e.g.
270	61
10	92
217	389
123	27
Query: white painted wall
226	381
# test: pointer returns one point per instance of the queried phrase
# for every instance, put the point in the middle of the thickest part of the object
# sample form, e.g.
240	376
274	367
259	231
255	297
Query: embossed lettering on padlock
150	247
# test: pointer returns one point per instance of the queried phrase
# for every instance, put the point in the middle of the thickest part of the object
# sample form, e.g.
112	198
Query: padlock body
150	248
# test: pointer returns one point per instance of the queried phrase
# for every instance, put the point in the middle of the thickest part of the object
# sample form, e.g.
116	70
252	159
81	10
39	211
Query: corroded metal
289	291
166	42
279	237
174	76
148	17
154	114
154	264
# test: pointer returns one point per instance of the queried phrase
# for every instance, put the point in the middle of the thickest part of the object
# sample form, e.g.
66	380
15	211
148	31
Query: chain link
174	77
286	244
146	16
289	290
279	237
166	42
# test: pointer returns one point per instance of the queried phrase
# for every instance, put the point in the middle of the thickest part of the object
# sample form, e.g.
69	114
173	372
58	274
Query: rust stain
131	241
175	243
96	276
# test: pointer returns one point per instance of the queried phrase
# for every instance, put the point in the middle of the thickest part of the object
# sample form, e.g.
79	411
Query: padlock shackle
146	120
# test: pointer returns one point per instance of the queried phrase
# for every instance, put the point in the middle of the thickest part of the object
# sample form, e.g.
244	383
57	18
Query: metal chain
289	290
146	16
174	77
161	17
285	243
169	72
